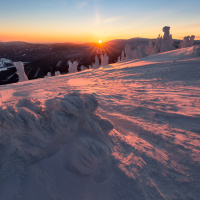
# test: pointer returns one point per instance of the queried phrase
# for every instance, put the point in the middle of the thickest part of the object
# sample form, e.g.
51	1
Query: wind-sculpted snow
32	131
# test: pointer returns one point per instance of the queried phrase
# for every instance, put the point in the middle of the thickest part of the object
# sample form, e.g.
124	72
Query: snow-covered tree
164	43
96	65
139	52
118	60
70	66
187	41
128	52
20	71
150	48
93	65
57	73
83	68
75	65
104	60
122	56
49	74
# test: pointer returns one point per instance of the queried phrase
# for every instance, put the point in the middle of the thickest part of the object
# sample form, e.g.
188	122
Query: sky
82	21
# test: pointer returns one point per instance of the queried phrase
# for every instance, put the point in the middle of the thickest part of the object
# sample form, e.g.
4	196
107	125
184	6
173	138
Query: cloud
112	19
82	4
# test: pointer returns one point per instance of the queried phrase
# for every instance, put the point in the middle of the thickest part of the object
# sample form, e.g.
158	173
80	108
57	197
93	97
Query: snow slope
127	131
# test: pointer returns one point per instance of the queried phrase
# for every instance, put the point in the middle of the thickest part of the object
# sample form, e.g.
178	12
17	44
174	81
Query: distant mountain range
42	58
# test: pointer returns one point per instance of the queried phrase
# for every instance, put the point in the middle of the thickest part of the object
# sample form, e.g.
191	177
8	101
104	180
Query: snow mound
32	131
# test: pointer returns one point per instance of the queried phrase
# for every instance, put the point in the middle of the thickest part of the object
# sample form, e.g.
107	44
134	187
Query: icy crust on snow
31	131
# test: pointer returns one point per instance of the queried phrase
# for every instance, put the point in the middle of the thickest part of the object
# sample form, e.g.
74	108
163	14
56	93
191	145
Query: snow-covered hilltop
130	130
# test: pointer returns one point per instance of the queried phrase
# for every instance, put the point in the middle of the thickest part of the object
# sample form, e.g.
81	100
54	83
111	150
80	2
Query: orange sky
83	21
46	37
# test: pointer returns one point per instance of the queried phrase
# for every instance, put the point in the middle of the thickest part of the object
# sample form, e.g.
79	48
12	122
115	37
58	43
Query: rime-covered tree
139	52
83	68
93	65
128	52
150	48
96	65
187	41
122	56
57	73
70	66
49	74
164	43
20	71
118	60
74	66
104	60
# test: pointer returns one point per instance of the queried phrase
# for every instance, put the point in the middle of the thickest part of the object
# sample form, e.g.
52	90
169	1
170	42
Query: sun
99	41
